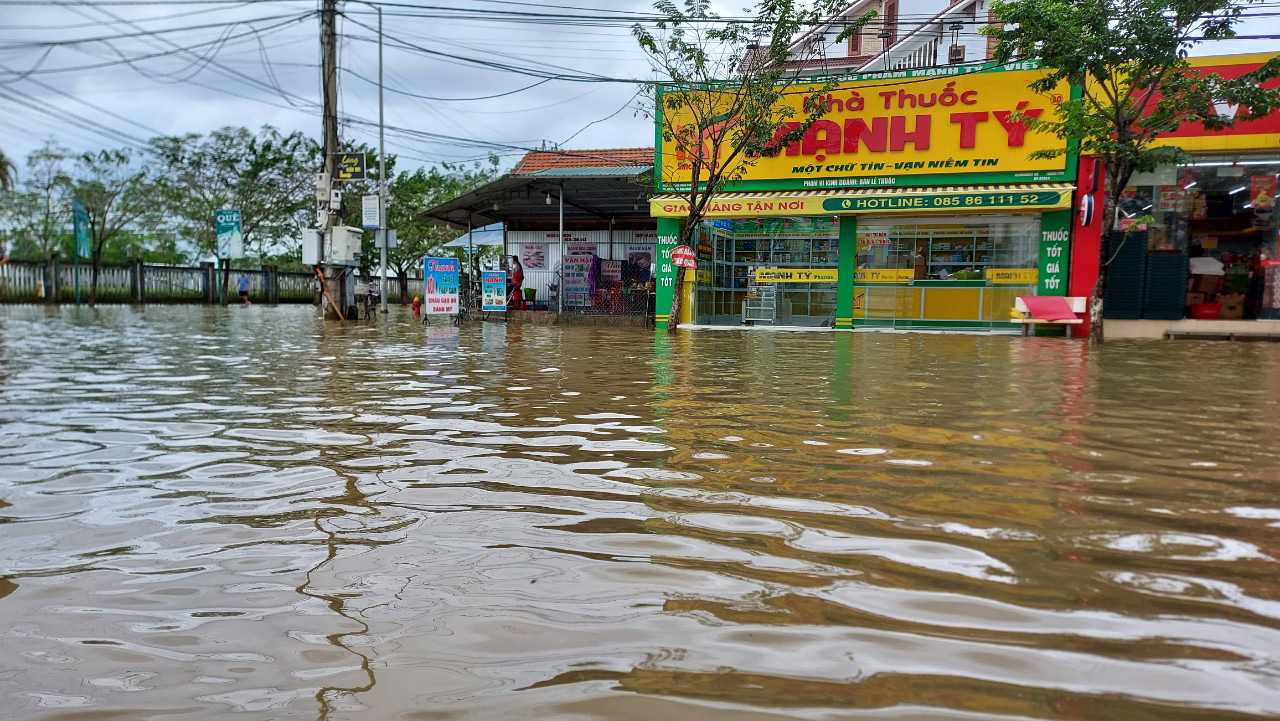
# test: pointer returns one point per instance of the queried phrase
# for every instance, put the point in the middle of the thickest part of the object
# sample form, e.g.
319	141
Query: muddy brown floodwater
251	514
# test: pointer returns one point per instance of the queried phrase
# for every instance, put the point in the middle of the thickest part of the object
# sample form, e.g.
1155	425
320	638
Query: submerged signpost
230	240
80	217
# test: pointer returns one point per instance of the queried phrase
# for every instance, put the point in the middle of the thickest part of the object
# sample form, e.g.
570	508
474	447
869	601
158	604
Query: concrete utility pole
382	173
333	274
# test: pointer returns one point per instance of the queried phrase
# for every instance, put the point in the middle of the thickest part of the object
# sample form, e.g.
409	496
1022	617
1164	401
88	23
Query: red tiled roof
536	160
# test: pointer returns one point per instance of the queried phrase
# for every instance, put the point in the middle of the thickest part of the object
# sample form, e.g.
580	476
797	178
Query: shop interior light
1189	186
1241	189
1147	206
1223	163
1248	205
548	201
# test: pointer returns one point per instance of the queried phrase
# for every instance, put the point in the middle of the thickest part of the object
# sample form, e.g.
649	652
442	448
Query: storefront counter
943	303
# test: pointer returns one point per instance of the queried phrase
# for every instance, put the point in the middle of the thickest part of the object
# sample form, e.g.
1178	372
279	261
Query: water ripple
248	511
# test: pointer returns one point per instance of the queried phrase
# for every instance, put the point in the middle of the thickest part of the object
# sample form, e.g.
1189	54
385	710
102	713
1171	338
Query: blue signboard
493	285
440	286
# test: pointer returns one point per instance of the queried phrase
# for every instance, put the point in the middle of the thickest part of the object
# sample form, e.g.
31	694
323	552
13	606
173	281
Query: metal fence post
206	282
137	281
272	281
52	291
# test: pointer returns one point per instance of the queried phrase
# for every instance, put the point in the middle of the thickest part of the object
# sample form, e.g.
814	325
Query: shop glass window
949	250
1219	208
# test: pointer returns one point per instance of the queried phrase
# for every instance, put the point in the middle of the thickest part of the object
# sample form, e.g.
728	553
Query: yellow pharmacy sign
884	275
1012	276
910	128
796	275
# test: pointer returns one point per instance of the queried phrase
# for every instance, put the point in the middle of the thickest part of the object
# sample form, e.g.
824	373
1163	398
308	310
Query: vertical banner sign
230	239
440	283
640	258
1055	230
1262	196
493	290
81	219
370	218
668	238
611	271
577	280
80	216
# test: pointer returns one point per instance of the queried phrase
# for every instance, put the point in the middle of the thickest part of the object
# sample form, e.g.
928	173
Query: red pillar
1086	238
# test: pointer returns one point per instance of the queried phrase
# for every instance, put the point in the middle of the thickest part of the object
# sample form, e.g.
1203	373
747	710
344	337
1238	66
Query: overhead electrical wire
601	19
159	54
399	91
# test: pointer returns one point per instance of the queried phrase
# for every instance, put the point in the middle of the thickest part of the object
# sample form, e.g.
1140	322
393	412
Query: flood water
247	513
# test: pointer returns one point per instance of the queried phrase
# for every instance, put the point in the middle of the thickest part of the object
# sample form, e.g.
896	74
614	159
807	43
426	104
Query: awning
477	237
939	199
595	194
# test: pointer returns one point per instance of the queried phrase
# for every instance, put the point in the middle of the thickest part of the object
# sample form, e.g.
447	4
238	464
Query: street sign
370	218
230	239
348	166
81	218
684	257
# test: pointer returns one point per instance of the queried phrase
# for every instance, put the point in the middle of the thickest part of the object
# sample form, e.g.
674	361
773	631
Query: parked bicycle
468	300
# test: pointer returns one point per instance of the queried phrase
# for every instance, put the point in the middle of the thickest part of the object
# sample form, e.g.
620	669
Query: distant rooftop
615	159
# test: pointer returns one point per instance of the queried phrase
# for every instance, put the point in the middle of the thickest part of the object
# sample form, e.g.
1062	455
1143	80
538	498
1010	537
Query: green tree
267	175
722	86
118	196
1130	58
410	195
39	210
7	171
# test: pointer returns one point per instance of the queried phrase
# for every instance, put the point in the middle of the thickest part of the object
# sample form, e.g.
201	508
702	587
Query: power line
141	32
34	103
159	54
448	100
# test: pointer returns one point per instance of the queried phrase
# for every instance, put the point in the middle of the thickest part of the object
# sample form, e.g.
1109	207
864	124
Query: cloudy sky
114	73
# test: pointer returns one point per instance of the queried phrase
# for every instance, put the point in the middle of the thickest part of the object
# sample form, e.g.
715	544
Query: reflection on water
207	512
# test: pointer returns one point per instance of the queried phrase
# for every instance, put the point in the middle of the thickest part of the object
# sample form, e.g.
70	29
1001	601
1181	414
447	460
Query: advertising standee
440	283
493	285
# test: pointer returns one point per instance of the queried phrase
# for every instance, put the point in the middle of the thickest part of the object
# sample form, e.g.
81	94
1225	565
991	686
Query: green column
847	266
1055	231
668	238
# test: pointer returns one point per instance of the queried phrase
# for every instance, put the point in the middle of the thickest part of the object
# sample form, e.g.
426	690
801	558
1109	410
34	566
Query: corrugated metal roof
603	171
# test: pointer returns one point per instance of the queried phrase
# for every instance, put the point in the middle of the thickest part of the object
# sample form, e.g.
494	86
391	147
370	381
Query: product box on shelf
1207	283
1232	306
1196	298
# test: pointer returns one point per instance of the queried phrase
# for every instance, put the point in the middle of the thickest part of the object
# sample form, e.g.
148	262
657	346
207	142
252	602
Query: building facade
913	203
